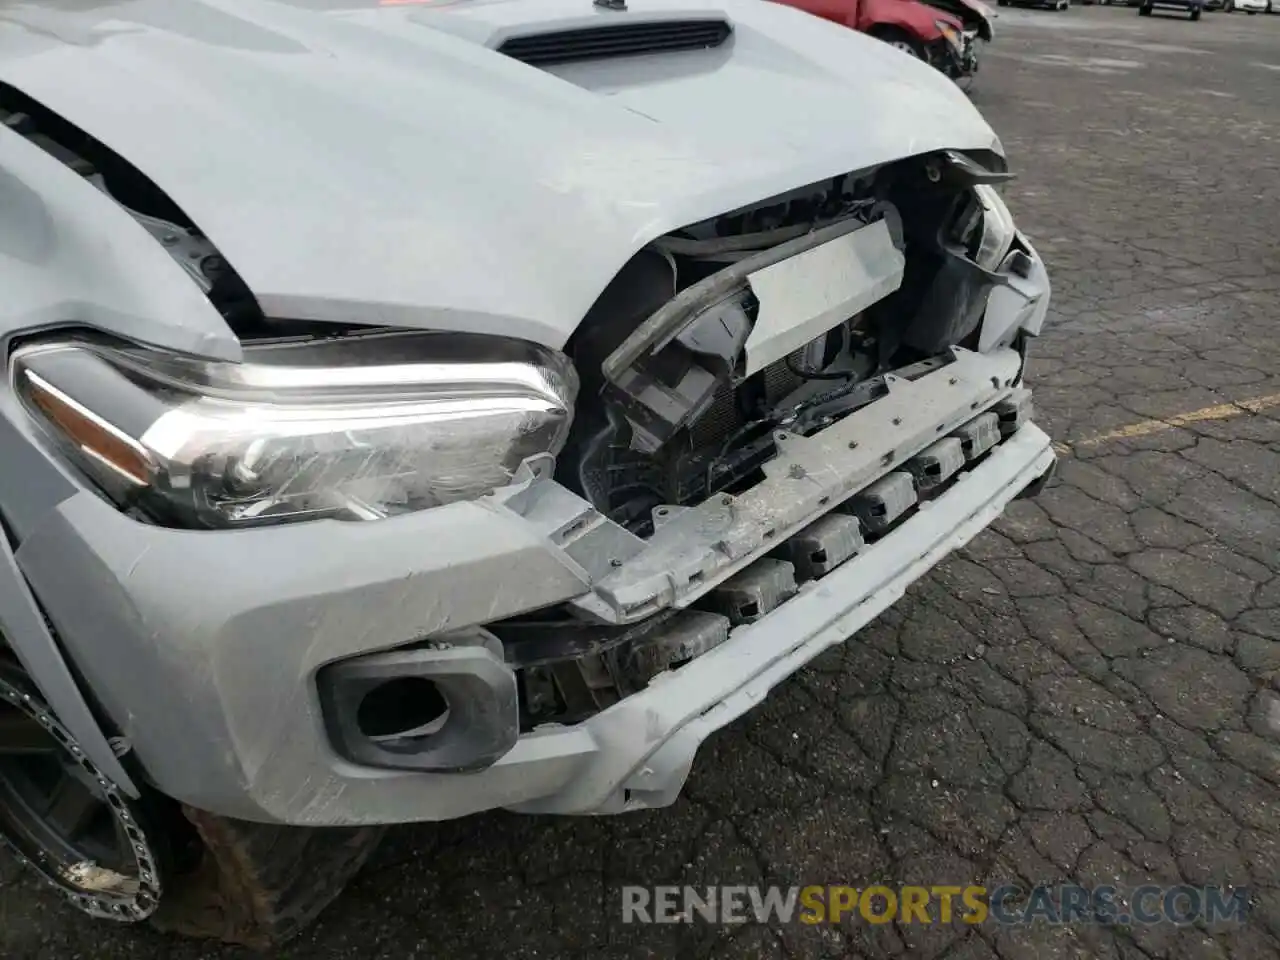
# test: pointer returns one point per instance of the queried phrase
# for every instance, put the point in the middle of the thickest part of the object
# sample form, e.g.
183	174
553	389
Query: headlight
996	230
356	427
950	34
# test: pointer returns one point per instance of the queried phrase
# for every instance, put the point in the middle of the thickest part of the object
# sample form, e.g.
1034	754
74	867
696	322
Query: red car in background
945	33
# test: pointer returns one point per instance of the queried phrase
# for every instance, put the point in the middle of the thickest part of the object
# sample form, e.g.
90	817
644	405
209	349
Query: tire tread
258	884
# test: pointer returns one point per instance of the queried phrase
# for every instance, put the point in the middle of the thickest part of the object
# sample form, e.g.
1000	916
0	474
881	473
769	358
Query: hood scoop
616	40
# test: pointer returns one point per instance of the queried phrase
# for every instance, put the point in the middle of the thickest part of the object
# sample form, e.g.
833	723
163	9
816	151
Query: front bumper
203	648
643	748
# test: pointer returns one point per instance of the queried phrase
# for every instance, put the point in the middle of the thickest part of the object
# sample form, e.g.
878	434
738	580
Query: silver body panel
381	164
378	164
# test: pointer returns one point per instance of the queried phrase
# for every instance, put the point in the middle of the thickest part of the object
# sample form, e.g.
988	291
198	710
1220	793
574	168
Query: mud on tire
256	884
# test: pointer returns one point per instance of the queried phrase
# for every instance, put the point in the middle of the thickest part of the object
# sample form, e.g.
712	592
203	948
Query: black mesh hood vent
616	40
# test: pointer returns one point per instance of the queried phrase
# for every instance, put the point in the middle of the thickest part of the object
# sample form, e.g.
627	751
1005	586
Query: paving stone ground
1090	691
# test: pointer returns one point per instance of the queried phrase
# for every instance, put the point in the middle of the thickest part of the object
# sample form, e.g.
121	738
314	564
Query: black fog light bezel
480	727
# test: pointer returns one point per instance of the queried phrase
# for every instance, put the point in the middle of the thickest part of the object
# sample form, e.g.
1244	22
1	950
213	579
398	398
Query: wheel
1062	5
900	40
64	819
1195	14
1144	11
118	858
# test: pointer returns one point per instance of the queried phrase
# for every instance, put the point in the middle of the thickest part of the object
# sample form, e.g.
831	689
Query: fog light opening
402	707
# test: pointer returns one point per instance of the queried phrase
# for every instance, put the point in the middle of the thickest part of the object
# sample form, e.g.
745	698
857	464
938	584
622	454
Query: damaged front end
786	316
766	396
580	562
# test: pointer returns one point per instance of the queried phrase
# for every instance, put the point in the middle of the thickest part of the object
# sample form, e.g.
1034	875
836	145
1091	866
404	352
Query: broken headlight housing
351	427
997	231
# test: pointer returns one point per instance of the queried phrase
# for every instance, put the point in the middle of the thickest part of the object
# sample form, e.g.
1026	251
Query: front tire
259	885
1144	11
1195	14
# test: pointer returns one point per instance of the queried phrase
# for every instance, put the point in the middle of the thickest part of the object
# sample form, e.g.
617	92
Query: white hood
383	164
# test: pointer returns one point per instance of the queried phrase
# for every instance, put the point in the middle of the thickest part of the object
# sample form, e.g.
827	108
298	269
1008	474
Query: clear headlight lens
354	427
997	228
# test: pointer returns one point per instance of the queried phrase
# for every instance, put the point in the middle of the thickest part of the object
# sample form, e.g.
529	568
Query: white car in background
1251	6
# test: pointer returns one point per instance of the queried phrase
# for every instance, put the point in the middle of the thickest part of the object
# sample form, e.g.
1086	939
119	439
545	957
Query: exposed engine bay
702	348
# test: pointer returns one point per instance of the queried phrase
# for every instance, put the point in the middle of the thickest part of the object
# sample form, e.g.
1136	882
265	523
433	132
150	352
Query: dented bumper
205	648
642	748
695	548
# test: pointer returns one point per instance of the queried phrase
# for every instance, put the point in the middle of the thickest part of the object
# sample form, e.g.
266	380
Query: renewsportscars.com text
1006	905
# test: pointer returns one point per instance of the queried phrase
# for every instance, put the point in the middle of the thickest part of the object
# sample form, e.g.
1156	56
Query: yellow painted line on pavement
1223	411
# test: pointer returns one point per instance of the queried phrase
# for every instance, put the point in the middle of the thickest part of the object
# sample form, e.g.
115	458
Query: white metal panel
806	295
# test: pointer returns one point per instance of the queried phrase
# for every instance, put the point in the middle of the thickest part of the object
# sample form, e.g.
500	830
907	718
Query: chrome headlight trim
998	230
354	427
